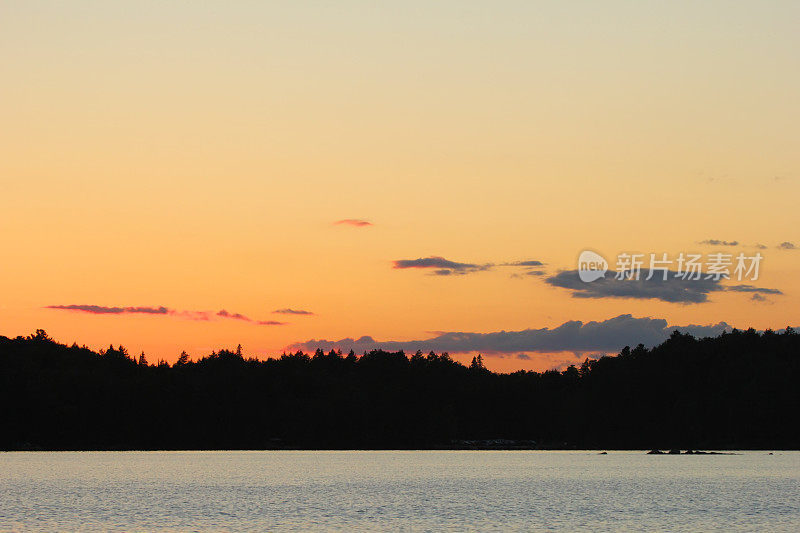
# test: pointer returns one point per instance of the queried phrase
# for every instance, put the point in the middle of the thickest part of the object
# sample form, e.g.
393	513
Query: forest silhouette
740	390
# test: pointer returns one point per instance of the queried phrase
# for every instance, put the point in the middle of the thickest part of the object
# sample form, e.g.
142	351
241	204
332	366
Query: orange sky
197	156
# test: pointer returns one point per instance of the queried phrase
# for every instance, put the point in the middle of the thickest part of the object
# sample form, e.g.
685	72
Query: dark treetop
738	390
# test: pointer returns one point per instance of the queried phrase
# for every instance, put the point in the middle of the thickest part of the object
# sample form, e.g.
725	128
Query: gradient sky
198	156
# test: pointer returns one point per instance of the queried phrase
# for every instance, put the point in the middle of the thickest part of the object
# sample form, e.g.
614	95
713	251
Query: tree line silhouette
740	390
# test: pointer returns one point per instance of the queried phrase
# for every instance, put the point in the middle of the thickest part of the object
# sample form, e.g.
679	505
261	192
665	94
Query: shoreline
597	451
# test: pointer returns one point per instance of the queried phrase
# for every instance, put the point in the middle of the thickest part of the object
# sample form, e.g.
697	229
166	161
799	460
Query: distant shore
491	445
737	391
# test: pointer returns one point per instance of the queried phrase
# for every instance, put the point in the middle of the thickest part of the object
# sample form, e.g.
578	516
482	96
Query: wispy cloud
288	311
786	245
520	275
753	289
530	263
718	242
573	336
162	311
441	266
103	310
237	316
193	315
356	222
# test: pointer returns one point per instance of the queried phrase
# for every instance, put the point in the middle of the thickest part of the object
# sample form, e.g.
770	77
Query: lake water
427	490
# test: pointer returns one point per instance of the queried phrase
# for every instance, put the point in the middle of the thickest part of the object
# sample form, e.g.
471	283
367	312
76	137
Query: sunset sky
289	162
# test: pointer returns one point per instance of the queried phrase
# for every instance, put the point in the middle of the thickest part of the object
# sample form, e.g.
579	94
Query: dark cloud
751	288
239	316
236	316
786	245
441	266
444	267
758	298
433	262
574	336
102	310
288	311
531	272
717	242
523	356
530	268
673	289
531	263
357	222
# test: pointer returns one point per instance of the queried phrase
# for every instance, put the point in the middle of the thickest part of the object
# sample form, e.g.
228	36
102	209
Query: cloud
102	310
432	262
751	288
238	316
163	311
193	315
288	311
673	289
531	267
235	316
573	336
758	298
357	222
531	272
441	266
717	242
786	245
531	263
444	267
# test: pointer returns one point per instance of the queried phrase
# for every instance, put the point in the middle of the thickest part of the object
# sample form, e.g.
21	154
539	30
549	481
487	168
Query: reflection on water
430	490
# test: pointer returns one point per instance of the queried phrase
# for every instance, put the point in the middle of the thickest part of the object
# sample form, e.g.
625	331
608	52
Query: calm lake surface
426	490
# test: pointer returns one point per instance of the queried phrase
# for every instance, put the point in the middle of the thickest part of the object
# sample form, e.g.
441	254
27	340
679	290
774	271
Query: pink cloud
357	222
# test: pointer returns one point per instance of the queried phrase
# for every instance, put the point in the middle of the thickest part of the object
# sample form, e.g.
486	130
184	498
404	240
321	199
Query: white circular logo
591	266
